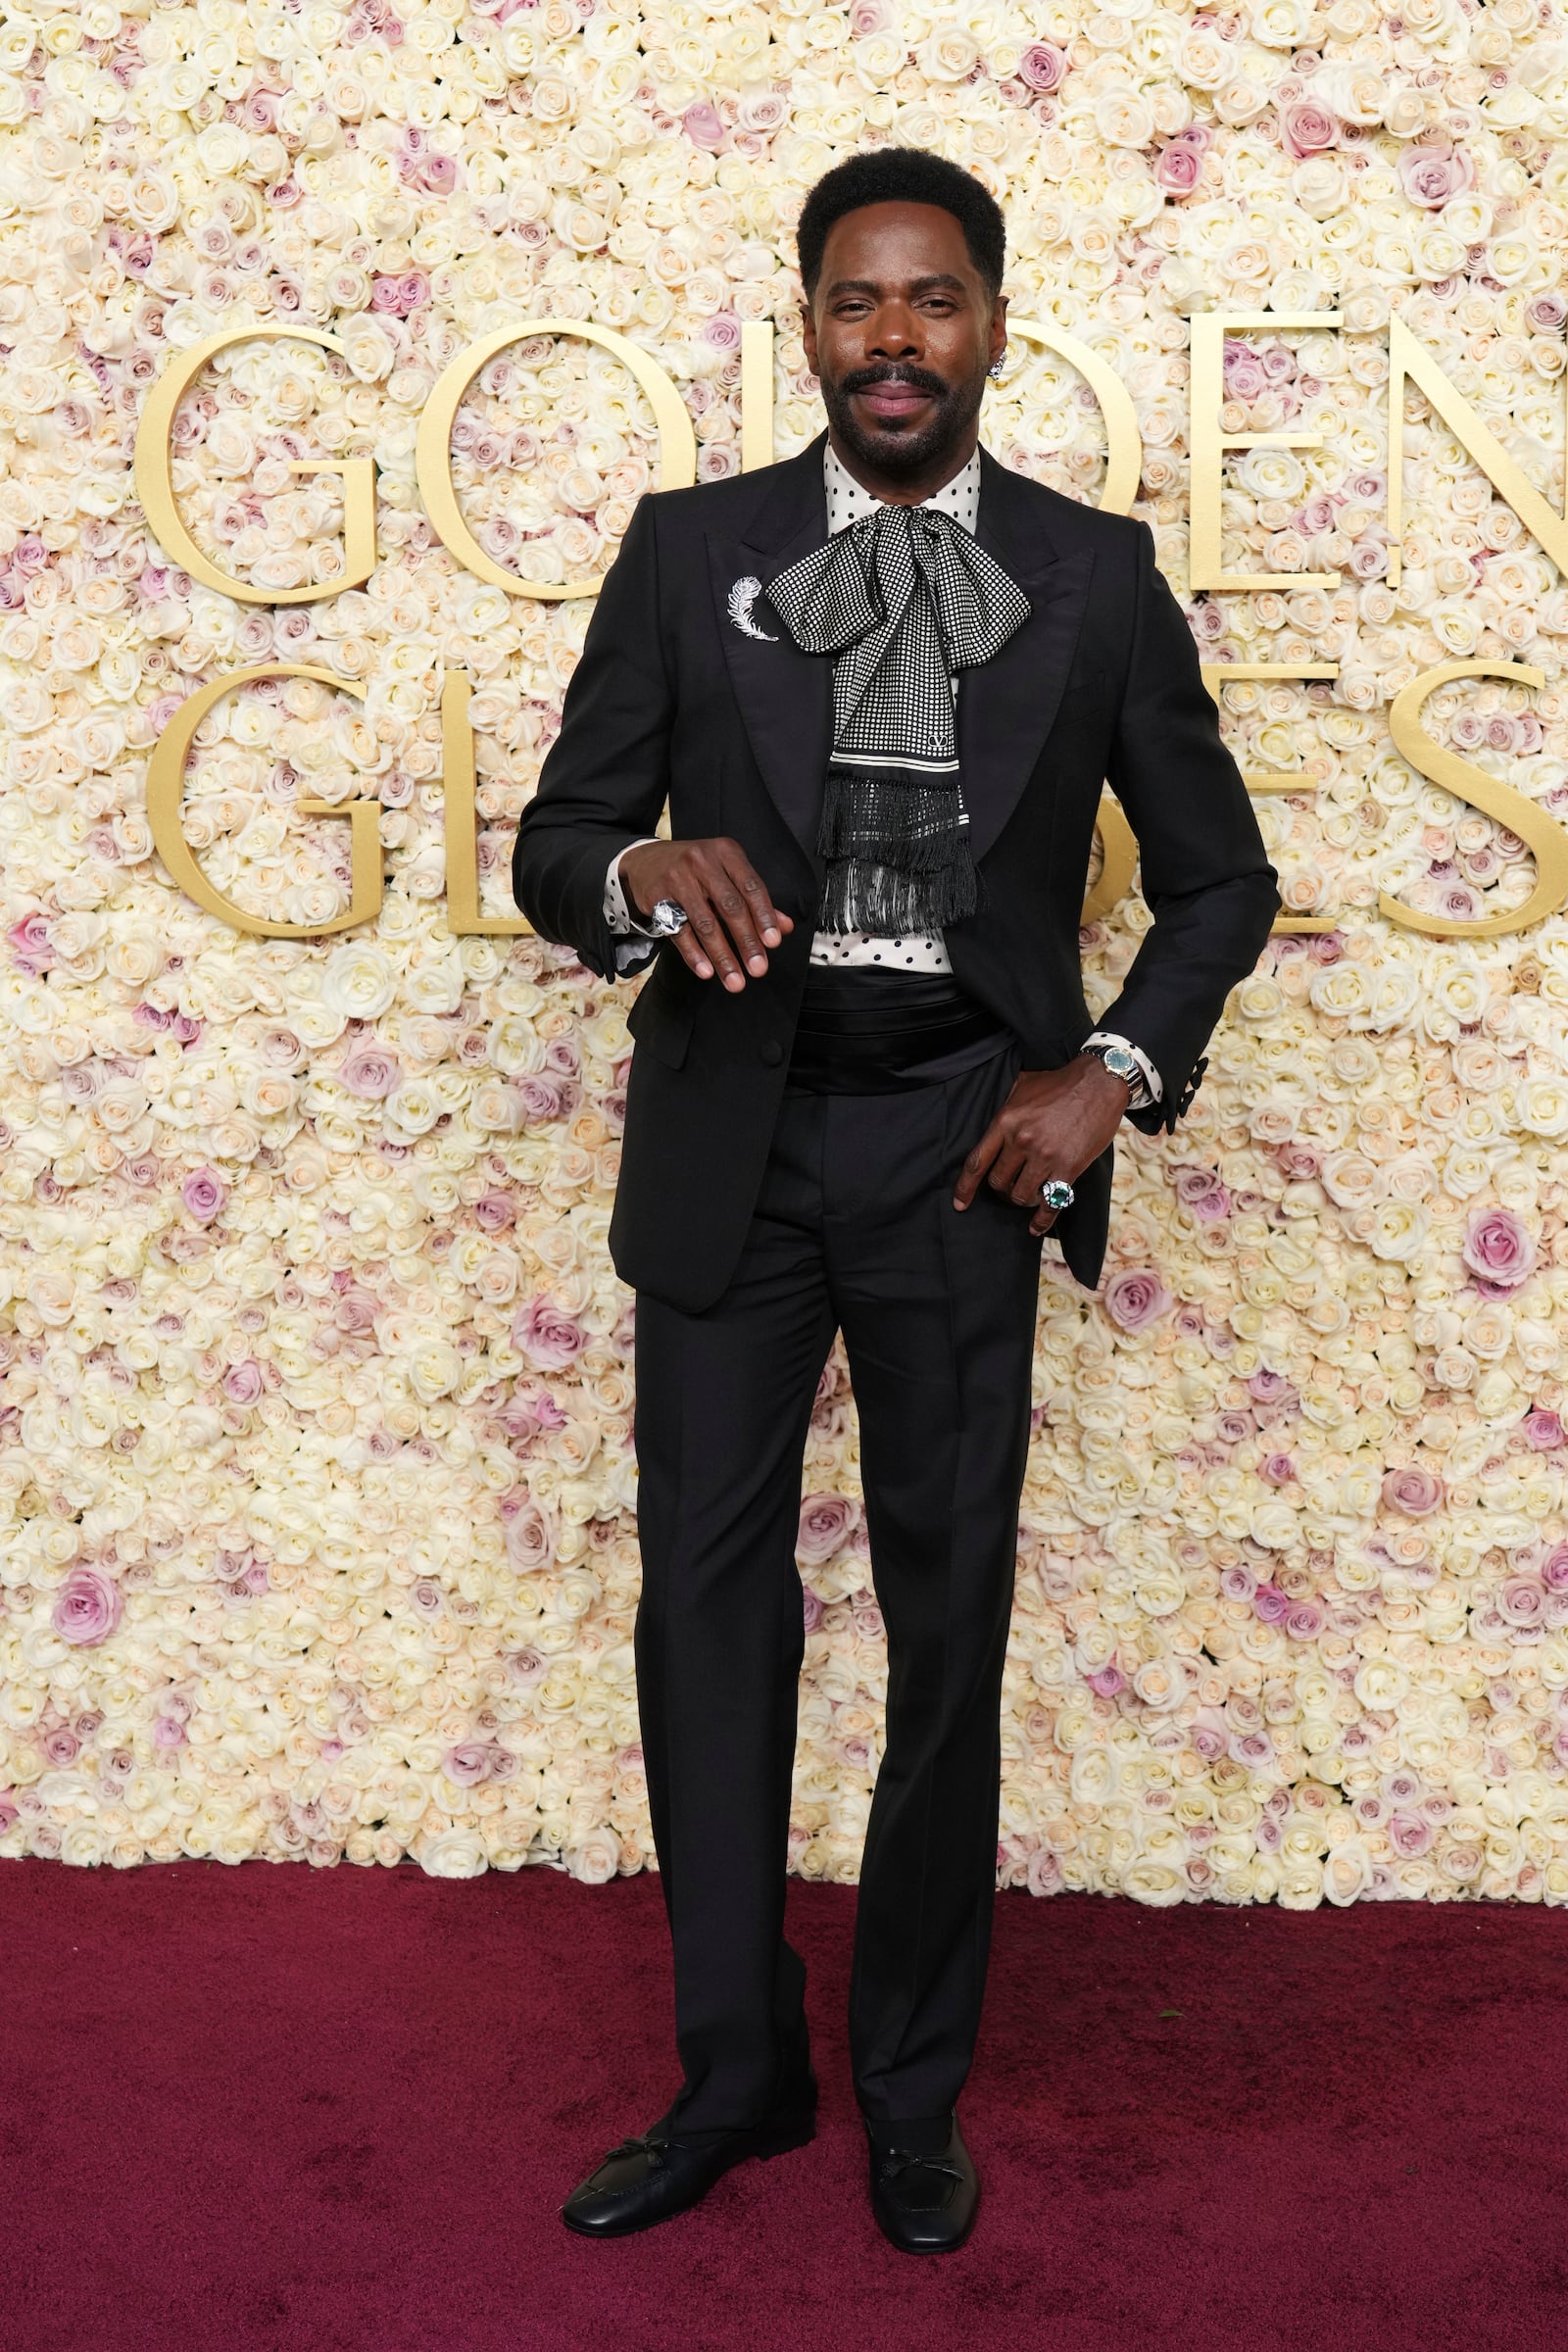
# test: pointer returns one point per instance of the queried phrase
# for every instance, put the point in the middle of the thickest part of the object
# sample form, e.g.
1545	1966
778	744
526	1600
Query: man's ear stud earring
996	365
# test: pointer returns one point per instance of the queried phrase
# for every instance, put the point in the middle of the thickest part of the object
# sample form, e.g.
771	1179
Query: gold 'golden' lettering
154	485
432	454
1124	443
1408	358
1209	444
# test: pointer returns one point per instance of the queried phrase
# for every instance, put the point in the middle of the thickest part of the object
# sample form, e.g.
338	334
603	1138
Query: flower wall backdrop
314	1450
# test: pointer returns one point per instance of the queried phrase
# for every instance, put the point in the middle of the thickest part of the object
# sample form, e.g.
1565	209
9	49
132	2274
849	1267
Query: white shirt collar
848	502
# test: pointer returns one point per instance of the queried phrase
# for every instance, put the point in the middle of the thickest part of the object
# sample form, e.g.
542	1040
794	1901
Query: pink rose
704	126
1253	1749
1244	376
1136	1298
242	1382
723	331
468	1763
1043	66
529	1536
355	1311
369	1070
824	1527
1554	1569
1200	1191
1306	128
1107	1681
547	1335
1270	1605
1429	175
1521	1600
30	940
1543	1430
88	1608
1210	1734
1410	1833
494	1211
1044	1873
867	16
545	1099
203	1195
1178	168
1546	314
1279	1469
1499	1248
1412	1490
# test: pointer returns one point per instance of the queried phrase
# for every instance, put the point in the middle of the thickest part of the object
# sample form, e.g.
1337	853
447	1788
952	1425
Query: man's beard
903	449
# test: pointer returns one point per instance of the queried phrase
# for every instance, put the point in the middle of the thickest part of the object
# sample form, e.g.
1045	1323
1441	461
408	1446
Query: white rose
455	1853
359	983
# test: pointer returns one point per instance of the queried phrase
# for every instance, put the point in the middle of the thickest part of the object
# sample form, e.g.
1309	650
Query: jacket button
772	1053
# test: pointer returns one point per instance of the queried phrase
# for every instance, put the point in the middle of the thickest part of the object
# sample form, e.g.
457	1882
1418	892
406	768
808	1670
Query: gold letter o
432	453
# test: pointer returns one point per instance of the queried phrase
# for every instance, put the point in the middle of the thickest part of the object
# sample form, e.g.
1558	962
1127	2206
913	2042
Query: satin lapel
1008	708
785	696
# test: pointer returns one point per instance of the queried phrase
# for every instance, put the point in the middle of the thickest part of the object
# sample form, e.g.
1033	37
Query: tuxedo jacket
690	692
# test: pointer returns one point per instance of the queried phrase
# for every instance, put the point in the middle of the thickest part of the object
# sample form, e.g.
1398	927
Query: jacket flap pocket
659	1027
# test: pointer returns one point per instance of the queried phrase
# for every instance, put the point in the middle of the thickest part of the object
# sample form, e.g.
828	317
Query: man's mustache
890	372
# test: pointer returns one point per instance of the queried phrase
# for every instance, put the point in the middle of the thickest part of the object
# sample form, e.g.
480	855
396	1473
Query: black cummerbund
866	1031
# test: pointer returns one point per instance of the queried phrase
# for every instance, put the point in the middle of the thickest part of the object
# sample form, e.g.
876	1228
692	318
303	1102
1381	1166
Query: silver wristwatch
1120	1060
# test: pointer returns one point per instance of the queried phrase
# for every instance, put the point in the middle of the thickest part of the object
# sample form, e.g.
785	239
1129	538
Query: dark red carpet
279	2110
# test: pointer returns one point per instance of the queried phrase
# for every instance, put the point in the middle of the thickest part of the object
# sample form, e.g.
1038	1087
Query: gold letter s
1541	833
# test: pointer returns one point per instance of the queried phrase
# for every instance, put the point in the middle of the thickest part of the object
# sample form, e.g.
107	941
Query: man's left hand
1054	1123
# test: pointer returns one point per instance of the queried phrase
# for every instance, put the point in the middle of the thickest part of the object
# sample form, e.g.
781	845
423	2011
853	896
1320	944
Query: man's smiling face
901	328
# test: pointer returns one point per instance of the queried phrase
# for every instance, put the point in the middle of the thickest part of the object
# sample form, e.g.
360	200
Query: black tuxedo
757	1217
674	701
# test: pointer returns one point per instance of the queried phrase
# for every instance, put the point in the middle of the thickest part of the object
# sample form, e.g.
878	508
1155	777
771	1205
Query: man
878	687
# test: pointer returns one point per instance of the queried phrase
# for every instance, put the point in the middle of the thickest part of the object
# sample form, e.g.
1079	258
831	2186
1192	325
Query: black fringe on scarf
897	856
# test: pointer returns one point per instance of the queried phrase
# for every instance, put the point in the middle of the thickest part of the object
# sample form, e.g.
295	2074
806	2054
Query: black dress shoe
652	2178
925	2202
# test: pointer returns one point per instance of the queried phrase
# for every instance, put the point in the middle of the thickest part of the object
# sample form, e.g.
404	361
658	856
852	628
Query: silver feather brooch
742	597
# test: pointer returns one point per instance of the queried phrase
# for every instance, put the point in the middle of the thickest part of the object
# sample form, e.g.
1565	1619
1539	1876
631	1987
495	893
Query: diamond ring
1058	1193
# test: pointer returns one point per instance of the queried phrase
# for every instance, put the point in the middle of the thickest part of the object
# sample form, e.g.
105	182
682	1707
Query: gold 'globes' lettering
1541	834
1408	361
165	787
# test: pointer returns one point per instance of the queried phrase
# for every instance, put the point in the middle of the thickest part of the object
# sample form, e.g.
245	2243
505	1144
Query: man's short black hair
902	176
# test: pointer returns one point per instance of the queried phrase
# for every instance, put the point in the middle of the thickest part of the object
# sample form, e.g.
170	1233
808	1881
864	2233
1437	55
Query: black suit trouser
854	1230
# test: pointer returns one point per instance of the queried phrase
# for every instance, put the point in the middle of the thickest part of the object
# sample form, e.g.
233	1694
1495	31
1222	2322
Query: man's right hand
731	919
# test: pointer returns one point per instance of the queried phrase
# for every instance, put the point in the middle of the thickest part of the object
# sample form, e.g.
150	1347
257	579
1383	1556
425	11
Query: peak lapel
1008	708
785	696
